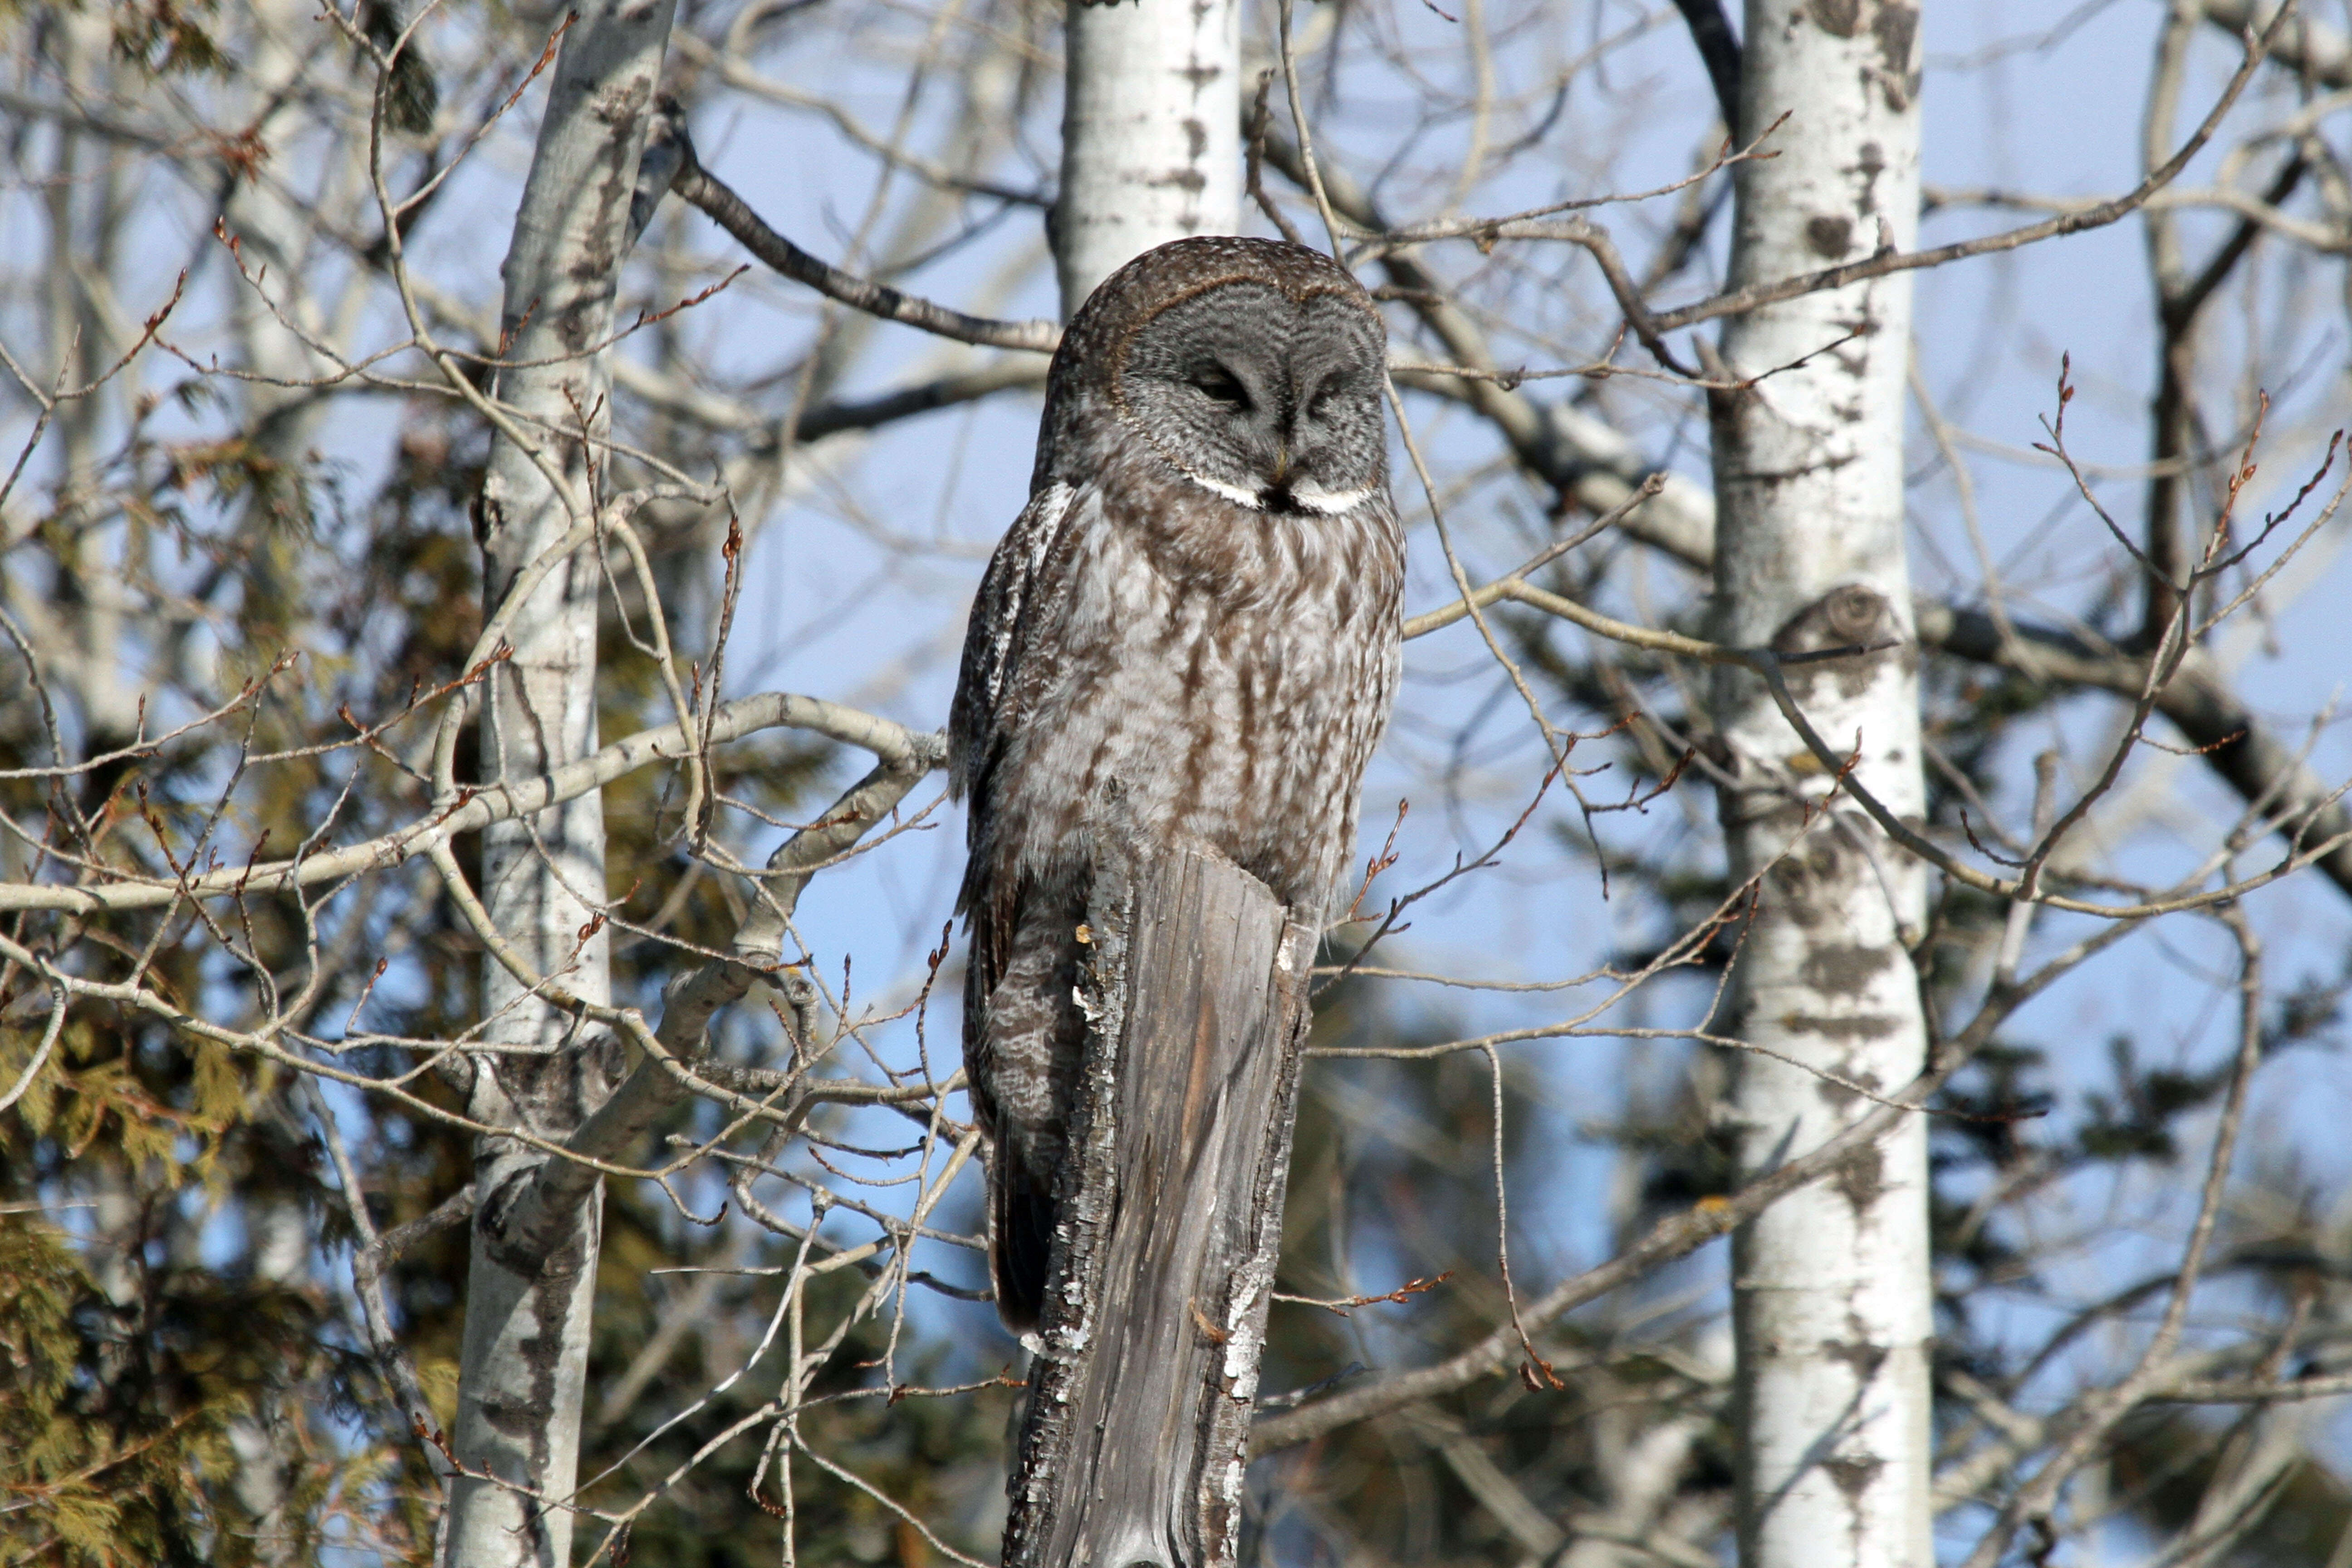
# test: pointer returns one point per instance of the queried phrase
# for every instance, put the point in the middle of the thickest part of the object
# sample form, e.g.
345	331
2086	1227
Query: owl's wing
1007	618
1006	647
1013	615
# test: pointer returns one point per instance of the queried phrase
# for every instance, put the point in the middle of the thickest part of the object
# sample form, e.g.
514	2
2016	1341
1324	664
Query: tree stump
1136	1434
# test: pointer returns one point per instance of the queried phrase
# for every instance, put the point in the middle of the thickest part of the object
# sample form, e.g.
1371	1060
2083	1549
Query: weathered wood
1139	1397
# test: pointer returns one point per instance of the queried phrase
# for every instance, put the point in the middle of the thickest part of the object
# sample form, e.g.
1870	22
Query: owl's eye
1219	384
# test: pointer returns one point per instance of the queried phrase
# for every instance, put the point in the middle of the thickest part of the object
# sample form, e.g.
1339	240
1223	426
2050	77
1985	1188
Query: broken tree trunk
1139	1397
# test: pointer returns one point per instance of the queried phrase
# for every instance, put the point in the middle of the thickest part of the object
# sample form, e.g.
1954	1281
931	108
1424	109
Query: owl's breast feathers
1230	668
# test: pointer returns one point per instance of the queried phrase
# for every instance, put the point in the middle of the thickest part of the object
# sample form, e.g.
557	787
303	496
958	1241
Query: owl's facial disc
1271	402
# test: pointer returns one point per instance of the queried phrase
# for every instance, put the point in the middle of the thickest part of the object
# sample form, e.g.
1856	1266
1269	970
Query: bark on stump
1136	1432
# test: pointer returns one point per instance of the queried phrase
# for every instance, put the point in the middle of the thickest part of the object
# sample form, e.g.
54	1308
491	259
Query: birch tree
1150	133
1832	1295
530	1285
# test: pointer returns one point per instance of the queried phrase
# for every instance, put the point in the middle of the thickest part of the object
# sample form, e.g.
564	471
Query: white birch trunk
1150	133
1831	1303
525	1352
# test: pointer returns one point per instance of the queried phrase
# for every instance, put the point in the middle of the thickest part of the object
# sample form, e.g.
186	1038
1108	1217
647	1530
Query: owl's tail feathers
1020	1239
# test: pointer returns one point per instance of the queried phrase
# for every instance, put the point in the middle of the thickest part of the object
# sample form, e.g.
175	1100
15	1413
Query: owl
1198	611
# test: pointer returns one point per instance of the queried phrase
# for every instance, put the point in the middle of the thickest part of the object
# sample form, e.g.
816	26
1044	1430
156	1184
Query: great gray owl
1201	604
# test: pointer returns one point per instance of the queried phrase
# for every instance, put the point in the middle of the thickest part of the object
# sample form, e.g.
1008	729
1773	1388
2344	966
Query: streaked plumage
1201	602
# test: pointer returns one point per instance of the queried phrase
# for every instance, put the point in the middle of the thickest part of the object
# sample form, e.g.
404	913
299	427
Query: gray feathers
1263	399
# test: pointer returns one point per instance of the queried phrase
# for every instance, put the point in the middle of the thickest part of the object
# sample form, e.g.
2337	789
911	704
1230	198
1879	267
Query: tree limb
1719	47
694	185
476	806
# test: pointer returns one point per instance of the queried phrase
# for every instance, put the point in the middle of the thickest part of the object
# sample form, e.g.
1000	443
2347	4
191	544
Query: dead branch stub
1136	1437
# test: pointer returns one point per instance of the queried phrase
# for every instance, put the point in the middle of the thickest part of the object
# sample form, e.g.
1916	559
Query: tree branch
1719	47
2311	49
478	806
533	1219
1739	301
694	185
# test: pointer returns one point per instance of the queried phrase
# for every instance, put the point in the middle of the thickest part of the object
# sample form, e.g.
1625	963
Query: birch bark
1831	1305
524	1357
1150	133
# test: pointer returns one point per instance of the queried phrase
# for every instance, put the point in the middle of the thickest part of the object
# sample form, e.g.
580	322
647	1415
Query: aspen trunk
1136	1434
524	1357
1150	133
1831	1303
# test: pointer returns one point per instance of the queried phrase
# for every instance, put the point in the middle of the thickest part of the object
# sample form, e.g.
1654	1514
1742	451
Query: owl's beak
1281	463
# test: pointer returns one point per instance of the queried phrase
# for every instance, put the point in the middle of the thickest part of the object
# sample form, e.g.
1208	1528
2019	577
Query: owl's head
1253	367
